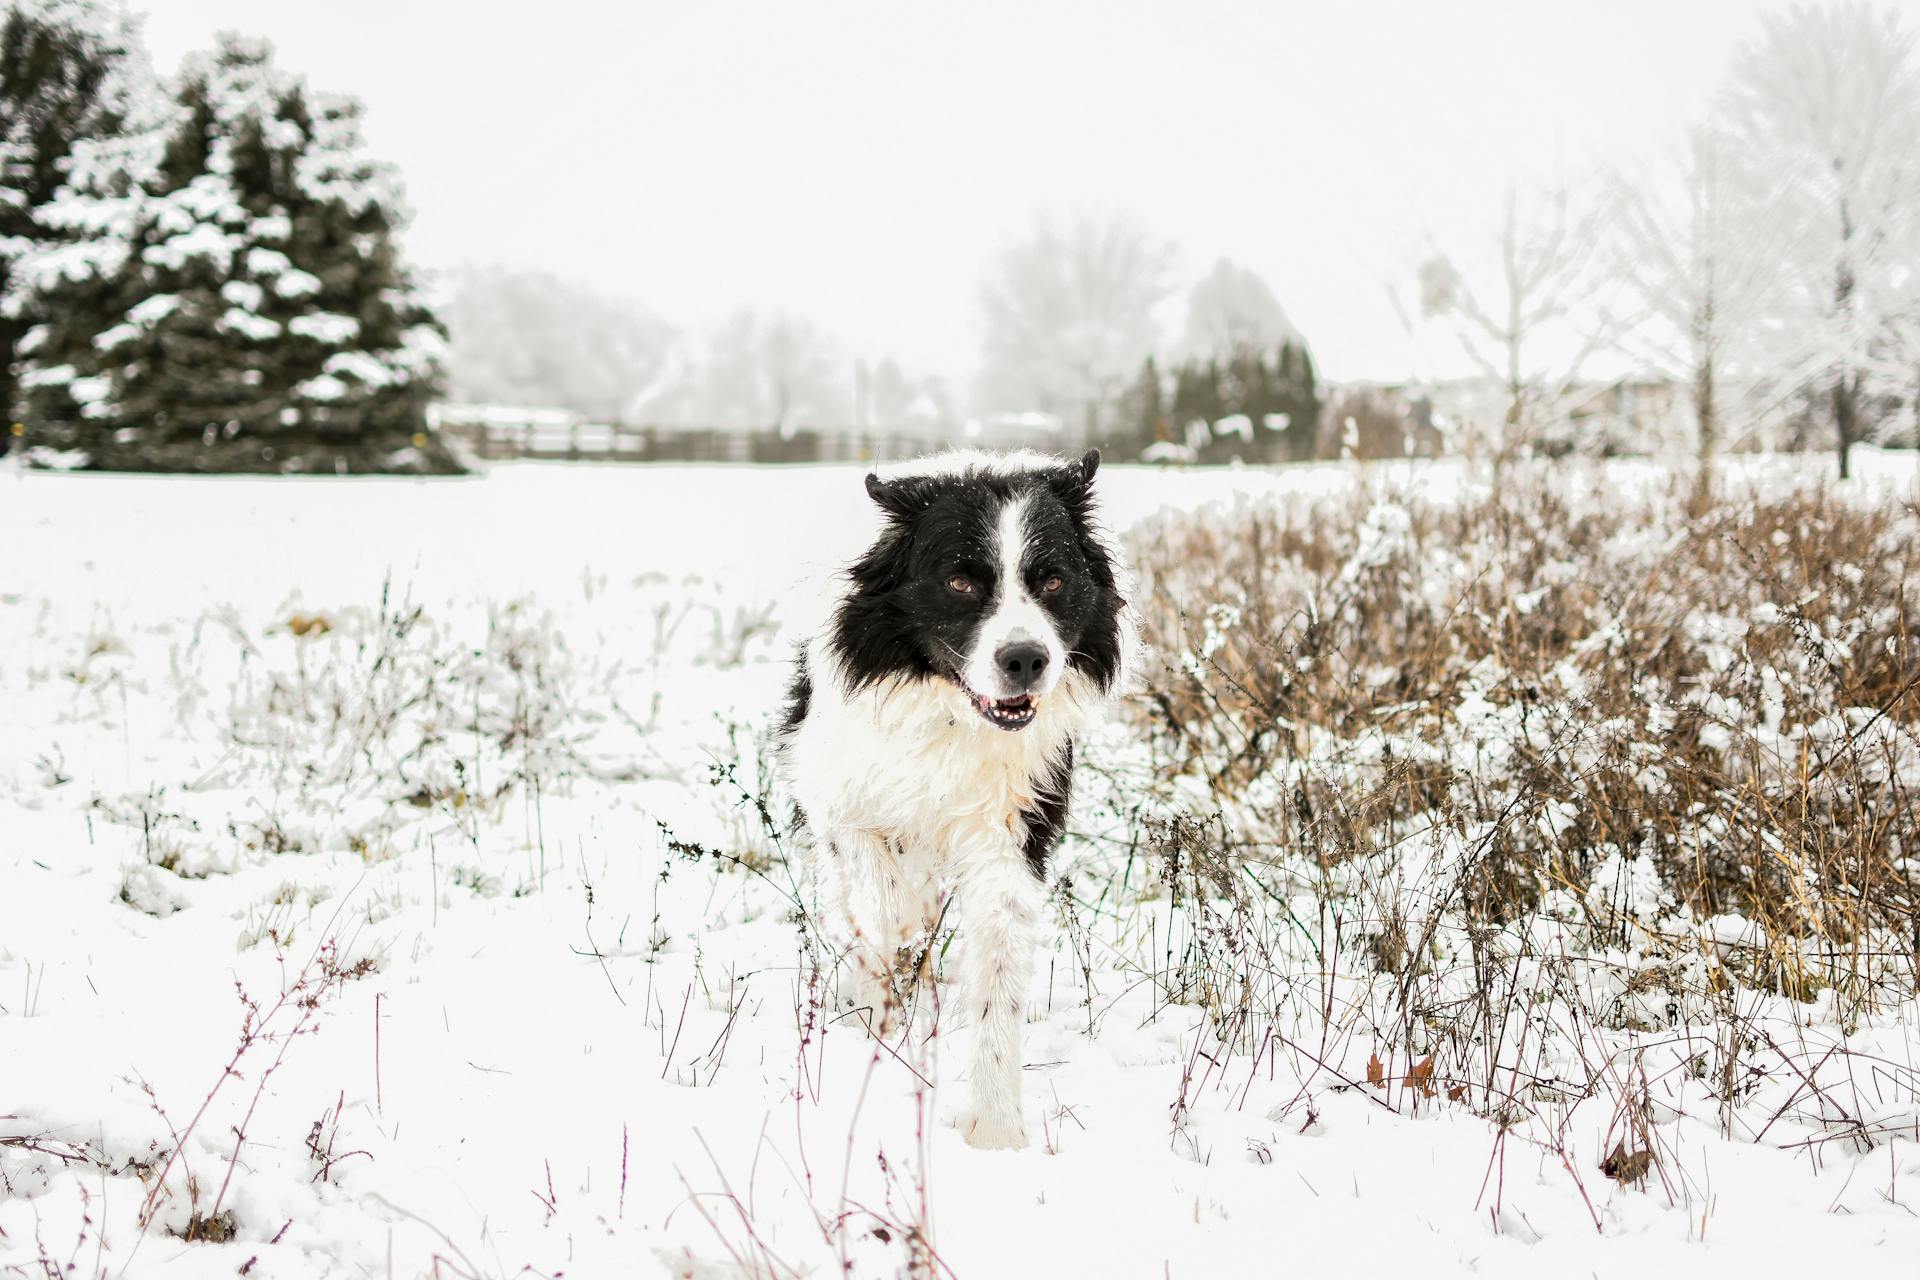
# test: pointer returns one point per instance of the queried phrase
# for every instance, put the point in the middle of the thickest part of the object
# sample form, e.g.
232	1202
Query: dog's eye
1053	583
960	586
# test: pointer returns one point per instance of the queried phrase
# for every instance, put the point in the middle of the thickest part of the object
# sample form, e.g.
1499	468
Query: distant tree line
1248	404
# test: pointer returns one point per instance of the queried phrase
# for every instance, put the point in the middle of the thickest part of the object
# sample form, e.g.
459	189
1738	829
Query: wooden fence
547	438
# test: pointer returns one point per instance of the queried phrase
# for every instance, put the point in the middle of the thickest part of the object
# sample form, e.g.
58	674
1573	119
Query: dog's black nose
1022	663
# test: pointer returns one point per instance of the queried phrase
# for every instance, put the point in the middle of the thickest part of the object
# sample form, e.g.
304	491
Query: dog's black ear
898	498
1074	481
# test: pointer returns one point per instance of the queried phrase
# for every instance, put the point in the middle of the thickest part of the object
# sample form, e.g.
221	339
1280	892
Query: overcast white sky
859	163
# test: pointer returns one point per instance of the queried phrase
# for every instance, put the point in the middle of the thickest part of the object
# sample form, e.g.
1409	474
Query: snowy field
384	892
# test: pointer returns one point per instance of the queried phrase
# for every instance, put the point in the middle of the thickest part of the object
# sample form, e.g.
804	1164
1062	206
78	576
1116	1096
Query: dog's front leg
877	906
1000	904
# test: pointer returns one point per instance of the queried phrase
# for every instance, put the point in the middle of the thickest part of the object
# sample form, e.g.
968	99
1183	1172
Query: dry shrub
1580	686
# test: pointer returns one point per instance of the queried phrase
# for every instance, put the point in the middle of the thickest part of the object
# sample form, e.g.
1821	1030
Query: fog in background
856	169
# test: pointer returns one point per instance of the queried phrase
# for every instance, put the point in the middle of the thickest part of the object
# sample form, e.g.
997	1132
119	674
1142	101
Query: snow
90	390
294	283
108	339
447	725
243	294
268	262
358	365
52	375
325	326
72	260
203	240
151	311
1235	424
1164	452
248	324
322	387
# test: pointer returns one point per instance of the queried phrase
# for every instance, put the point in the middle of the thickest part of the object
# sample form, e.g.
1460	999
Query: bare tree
1232	309
1826	109
1528	307
1696	251
1069	316
756	370
888	396
530	338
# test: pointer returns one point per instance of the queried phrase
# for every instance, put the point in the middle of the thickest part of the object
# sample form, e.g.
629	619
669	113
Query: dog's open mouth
1007	713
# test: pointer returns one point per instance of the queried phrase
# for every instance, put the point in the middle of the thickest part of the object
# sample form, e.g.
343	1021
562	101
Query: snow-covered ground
470	767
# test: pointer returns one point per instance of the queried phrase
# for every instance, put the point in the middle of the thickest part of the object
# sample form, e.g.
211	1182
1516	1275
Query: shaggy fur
930	729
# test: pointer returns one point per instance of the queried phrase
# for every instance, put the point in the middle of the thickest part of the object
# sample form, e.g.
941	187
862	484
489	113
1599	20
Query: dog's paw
998	1129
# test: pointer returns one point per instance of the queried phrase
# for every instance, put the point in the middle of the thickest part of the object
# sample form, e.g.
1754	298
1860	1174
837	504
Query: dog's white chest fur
914	757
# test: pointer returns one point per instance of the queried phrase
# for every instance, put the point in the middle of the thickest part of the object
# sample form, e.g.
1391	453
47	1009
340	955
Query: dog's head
991	573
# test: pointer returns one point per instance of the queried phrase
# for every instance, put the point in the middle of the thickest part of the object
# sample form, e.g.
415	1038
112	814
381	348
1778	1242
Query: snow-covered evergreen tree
70	71
1297	395
1249	404
1140	419
232	297
1196	402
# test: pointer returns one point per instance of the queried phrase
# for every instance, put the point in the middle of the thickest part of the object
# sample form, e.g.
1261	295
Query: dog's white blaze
1016	614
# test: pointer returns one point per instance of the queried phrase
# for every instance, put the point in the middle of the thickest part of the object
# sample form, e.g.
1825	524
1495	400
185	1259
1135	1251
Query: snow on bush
1536	799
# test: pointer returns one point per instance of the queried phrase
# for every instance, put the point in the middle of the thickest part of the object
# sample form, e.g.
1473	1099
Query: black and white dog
930	734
